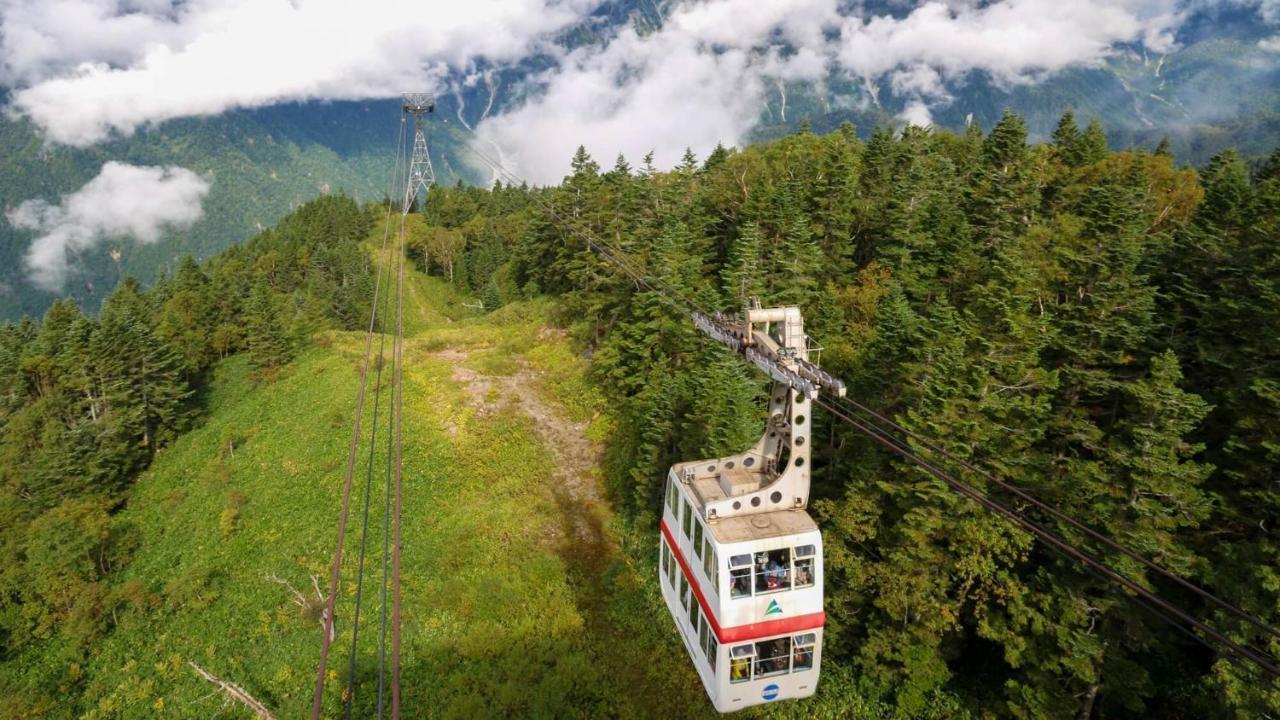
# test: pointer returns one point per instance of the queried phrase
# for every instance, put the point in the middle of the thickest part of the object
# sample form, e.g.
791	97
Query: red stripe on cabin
740	633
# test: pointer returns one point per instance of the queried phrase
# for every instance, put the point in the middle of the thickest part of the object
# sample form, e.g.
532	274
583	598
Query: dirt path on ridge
576	486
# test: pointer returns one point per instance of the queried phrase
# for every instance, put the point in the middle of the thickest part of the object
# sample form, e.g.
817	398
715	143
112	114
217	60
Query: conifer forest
1097	328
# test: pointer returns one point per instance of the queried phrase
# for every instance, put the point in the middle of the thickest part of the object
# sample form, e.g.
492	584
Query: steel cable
326	642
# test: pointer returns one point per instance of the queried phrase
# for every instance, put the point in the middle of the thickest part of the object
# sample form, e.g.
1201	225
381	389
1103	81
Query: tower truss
421	174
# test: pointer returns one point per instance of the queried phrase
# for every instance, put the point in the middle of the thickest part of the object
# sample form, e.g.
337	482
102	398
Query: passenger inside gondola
804	575
740	663
802	659
773	571
773	656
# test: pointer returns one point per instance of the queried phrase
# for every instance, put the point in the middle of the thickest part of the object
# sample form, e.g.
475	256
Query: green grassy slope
503	612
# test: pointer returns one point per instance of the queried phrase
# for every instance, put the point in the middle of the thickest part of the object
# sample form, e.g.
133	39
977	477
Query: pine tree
1003	200
717	156
740	276
269	346
146	392
184	318
688	162
1067	140
1093	143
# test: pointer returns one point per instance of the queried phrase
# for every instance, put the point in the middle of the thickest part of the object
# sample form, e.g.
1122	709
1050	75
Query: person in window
740	670
772	656
775	573
803	659
741	586
803	575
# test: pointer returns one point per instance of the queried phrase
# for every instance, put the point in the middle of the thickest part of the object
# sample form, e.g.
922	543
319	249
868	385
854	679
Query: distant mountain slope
1219	89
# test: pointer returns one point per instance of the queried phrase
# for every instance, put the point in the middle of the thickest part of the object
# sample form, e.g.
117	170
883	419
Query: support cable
386	507
398	352
317	702
1056	542
368	491
855	406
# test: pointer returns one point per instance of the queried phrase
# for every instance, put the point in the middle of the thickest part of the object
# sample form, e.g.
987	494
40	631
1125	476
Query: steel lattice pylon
421	174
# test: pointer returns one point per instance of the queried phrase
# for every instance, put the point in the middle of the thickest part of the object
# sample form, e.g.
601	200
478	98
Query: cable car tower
421	174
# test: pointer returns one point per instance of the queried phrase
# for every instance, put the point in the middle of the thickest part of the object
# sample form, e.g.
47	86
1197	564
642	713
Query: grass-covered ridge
504	614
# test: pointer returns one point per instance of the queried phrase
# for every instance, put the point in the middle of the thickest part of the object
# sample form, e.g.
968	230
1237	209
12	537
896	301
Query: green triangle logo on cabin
773	609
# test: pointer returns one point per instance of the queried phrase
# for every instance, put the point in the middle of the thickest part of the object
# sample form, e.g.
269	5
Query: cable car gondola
740	560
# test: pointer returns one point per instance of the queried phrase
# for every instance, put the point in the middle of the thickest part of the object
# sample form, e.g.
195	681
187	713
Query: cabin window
713	649
773	570
709	560
684	591
688	518
740	576
693	617
741	658
773	657
702	638
662	552
804	575
673	498
671	572
697	539
802	655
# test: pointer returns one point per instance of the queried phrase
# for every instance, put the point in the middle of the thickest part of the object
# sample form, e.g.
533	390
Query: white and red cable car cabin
740	559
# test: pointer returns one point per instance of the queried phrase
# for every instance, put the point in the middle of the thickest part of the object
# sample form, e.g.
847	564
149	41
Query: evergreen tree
740	276
269	346
1093	143
717	156
1067	140
143	379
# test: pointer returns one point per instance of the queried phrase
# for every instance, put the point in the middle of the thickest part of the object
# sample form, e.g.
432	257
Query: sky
84	71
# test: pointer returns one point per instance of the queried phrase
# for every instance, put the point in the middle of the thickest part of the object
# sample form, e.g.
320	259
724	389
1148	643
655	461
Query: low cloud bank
123	201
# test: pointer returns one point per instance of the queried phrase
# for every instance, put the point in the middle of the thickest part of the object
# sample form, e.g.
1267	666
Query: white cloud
697	82
701	79
122	201
90	67
916	113
1014	40
85	69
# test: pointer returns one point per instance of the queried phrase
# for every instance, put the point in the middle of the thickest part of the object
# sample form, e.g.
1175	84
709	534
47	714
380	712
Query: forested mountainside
1216	88
86	403
259	166
1096	327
